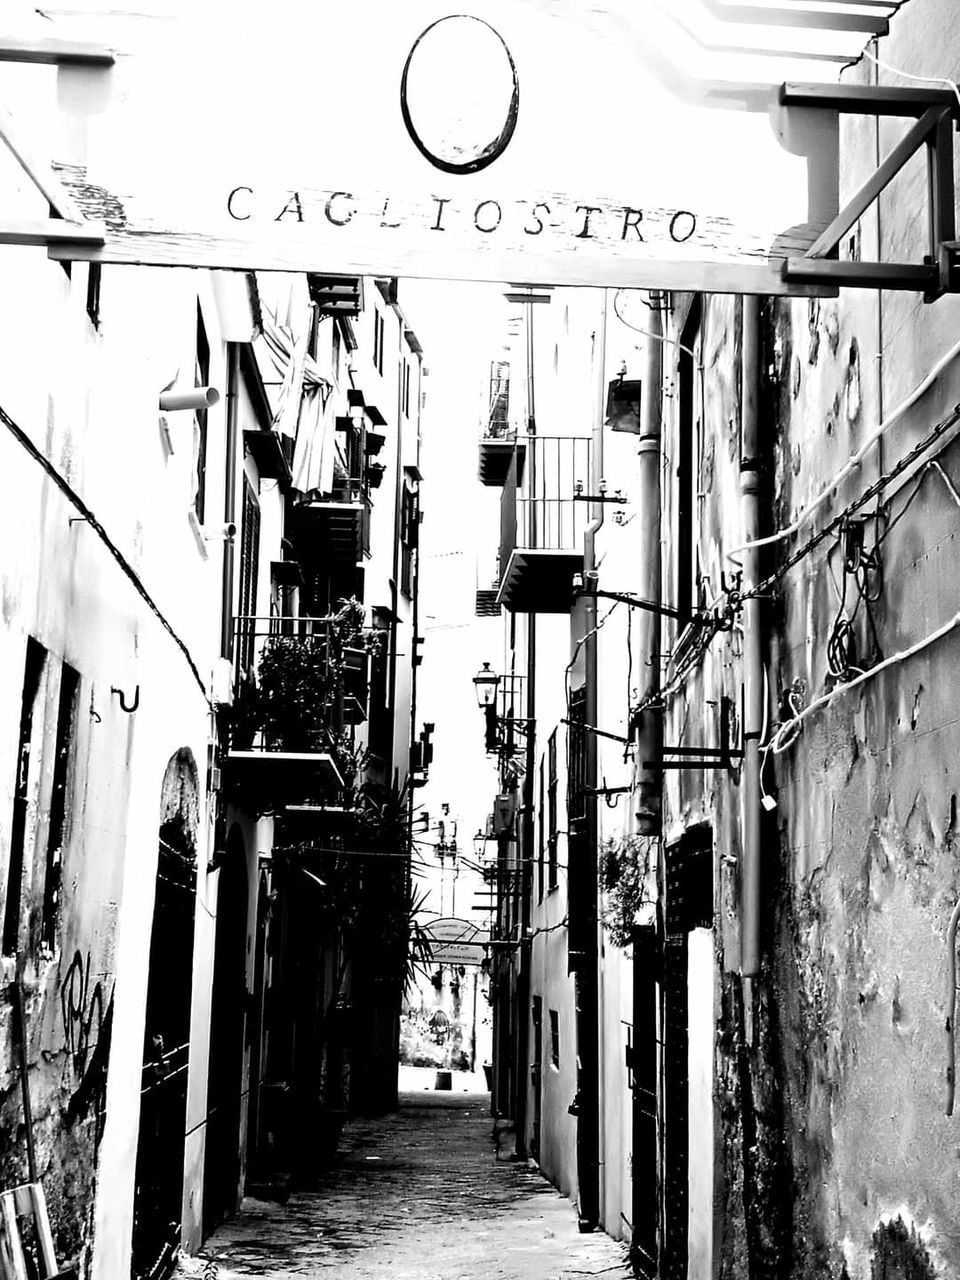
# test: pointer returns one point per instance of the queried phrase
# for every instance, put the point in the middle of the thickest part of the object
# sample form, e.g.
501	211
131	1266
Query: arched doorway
158	1191
221	1177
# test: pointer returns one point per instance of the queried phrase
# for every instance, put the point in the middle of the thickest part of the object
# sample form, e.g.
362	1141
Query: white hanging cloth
304	406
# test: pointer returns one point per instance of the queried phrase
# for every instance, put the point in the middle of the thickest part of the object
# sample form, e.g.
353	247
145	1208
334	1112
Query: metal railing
498	412
544	513
319	682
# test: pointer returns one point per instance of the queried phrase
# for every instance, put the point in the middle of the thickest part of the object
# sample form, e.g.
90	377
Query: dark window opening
93	293
32	672
378	336
555	1038
406	389
202	379
540	837
249	565
409	531
552	811
577	753
66	724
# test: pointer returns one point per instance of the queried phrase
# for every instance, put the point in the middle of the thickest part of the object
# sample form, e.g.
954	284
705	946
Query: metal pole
752	657
647	625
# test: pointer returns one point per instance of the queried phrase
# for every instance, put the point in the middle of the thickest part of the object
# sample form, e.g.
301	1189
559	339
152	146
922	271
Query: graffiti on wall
87	1026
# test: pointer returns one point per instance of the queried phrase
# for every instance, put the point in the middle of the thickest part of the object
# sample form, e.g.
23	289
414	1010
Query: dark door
166	1059
644	1063
256	1027
536	1074
221	1177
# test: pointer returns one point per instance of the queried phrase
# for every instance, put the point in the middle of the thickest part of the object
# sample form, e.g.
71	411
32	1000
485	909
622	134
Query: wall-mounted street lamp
486	683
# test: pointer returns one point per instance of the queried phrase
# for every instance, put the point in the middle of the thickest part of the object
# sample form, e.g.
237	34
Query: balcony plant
307	691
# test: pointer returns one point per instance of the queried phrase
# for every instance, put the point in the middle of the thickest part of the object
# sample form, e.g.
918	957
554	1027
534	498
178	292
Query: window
688	569
249	565
336	350
378	327
32	673
202	379
66	723
577	749
552	810
555	1039
540	837
406	388
409	531
93	293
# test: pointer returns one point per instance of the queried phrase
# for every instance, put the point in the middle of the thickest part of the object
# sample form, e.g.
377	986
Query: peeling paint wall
834	1154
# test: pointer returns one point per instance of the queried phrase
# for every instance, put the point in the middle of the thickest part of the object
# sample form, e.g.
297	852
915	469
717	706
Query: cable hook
123	701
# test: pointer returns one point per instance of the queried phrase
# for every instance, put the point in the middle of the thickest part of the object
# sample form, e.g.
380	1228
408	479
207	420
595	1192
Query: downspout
752	658
229	499
647	796
392	772
588	977
649	783
523	1080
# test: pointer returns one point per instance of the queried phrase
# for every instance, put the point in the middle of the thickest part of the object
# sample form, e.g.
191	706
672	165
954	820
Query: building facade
744	1064
212	508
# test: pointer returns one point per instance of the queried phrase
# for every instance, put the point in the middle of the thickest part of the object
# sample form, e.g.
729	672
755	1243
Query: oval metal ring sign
460	81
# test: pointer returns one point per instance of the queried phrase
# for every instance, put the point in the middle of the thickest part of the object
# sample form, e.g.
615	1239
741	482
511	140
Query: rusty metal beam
53	52
863	275
871	100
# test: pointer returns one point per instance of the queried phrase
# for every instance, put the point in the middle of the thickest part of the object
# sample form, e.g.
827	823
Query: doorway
222	1162
158	1191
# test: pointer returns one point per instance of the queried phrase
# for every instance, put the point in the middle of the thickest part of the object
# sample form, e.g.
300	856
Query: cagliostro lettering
616	223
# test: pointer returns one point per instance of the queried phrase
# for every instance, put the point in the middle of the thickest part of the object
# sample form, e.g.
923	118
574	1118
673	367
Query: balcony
542	526
499	444
302	685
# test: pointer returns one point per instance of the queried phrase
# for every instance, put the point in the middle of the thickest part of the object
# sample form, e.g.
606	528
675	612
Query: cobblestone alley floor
418	1195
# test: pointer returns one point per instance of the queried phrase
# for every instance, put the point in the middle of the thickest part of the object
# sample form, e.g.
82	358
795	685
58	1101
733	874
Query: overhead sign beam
472	156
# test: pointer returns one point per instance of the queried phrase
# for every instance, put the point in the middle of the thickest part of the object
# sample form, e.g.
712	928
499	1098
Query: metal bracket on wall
936	112
637	602
722	757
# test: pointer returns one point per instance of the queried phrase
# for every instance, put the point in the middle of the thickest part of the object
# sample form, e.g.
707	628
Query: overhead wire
853	462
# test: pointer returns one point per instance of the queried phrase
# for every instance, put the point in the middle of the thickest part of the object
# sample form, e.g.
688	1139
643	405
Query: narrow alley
420	1194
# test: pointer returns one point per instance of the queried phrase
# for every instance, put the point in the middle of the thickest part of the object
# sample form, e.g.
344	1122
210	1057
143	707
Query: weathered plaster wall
93	413
830	1125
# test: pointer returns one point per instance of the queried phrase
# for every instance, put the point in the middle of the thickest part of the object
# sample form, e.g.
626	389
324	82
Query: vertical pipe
587	977
524	877
752	657
649	783
230	498
393	772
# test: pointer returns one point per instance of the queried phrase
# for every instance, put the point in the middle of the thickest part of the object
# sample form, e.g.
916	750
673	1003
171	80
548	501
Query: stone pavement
417	1195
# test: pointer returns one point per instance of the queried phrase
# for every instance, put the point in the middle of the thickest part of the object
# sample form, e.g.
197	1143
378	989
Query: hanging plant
625	875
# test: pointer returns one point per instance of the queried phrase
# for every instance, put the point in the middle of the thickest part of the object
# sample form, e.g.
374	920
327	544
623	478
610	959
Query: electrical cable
74	498
854	461
951	1023
788	732
908	75
945	424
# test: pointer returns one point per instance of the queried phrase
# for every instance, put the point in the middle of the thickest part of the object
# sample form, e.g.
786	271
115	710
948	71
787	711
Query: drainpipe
752	659
230	499
649	783
587	977
530	764
392	772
